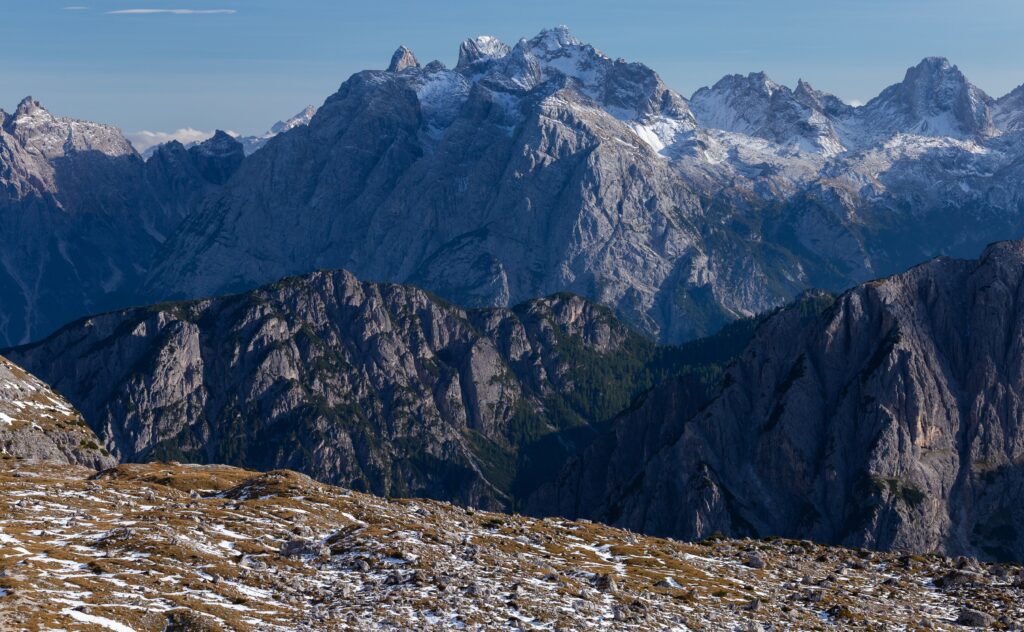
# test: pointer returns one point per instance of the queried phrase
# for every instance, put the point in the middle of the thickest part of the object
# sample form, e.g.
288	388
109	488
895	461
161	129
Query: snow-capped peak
754	105
29	107
551	40
934	99
302	118
49	136
484	47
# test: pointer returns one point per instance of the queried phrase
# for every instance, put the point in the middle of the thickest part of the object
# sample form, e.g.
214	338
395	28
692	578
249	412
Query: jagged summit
218	157
28	106
756	106
49	137
302	118
402	59
220	141
934	99
553	39
480	48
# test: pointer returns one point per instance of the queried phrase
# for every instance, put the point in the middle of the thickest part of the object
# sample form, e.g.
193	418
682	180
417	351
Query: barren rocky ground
184	547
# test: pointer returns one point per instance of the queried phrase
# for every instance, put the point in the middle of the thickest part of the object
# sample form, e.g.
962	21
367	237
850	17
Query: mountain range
888	417
82	215
249	143
524	171
548	166
543	281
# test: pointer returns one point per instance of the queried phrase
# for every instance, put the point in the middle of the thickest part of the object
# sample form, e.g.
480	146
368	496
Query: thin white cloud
76	8
173	11
146	139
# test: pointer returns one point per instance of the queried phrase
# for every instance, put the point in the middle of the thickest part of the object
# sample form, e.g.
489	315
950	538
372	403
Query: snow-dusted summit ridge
49	137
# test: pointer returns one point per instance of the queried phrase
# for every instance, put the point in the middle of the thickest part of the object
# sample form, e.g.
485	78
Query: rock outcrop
37	424
402	59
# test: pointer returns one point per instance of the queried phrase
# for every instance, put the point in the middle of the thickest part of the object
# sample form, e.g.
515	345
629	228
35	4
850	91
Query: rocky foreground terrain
185	547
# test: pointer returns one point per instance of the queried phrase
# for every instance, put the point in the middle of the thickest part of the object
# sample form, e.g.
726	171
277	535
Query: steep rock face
891	419
179	177
218	158
380	387
402	59
481	48
37	424
81	216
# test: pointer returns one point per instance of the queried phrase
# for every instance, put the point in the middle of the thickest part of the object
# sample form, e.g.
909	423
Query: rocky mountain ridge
381	387
526	170
889	418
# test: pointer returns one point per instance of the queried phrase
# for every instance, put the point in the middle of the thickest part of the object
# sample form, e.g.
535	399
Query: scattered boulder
955	579
303	547
606	583
975	618
754	560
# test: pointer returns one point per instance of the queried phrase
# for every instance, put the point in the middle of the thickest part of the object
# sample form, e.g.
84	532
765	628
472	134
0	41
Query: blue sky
253	62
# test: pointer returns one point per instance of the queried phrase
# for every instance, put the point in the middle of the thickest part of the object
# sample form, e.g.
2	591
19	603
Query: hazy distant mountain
252	143
528	170
249	143
547	166
81	216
